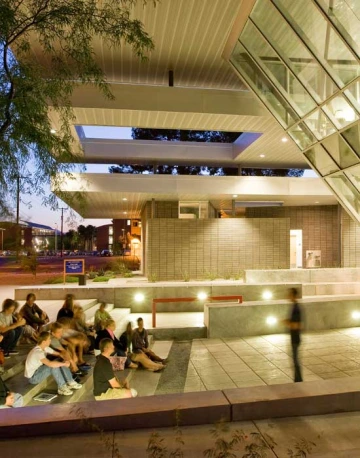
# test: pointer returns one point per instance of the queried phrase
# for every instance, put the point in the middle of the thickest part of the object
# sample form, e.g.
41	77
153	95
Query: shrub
211	275
58	280
92	275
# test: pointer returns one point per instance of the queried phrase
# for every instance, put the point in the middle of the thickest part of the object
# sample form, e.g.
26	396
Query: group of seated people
60	350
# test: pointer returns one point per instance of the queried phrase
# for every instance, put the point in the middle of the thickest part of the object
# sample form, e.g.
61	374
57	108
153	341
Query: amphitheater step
51	307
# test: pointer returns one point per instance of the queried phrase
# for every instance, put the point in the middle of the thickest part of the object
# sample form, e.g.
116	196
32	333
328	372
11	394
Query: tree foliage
47	50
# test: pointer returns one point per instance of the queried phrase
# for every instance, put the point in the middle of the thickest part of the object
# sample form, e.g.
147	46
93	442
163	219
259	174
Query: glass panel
352	136
346	18
320	159
340	151
319	124
262	86
353	94
340	112
321	37
275	69
292	50
354	176
347	193
302	136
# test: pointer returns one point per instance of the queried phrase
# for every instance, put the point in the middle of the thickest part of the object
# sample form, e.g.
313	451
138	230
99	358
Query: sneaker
84	368
74	386
133	393
85	365
7	355
64	391
13	352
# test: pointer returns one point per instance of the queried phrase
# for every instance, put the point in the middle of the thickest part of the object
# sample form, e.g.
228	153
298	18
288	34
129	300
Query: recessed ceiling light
284	139
124	198
317	202
53	131
235	195
125	213
262	155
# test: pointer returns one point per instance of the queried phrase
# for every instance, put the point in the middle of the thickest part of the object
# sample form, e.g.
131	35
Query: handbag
118	362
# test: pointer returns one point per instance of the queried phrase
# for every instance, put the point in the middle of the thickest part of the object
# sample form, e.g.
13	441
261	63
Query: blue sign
74	266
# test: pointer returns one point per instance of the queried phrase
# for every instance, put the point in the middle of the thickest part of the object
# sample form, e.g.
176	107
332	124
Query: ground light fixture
202	296
271	320
139	297
355	315
267	295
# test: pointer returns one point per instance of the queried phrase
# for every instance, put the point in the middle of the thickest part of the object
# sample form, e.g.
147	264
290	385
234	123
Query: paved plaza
215	364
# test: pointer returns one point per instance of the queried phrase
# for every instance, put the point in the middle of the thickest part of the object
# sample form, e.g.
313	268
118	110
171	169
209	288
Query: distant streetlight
2	238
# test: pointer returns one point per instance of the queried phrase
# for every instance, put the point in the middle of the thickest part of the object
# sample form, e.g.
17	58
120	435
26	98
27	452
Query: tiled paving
265	360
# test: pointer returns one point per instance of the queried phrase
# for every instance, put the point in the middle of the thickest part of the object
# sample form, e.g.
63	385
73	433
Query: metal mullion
336	30
306	45
282	60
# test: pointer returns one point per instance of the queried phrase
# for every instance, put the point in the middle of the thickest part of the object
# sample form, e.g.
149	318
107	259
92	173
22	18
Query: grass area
58	280
102	279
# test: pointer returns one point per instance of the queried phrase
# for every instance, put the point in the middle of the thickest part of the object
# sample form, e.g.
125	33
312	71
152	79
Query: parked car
106	253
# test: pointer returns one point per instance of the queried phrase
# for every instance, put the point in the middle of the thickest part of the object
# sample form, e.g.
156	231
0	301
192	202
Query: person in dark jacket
140	342
120	349
294	323
32	313
7	398
67	310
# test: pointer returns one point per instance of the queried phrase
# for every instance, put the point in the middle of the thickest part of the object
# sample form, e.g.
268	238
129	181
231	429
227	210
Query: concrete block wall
350	229
319	224
219	246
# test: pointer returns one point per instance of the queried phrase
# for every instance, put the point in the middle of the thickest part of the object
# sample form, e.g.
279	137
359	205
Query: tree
62	32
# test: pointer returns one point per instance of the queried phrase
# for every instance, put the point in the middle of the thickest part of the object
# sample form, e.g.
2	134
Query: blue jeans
10	339
18	402
62	375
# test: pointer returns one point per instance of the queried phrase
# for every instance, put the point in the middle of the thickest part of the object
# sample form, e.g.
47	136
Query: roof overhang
124	196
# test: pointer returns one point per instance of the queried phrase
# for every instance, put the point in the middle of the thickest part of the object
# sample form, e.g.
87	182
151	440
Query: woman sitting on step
101	316
109	333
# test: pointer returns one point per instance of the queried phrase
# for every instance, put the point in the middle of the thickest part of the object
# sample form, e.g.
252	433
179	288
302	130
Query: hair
8	303
29	296
102	304
109	322
65	321
127	330
69	302
139	319
55	326
294	292
104	343
43	336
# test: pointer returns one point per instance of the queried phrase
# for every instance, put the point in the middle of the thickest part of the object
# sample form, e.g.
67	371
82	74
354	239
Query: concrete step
121	317
16	364
178	333
330	288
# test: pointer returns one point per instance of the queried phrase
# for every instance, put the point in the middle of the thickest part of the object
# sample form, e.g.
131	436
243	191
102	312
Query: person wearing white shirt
38	367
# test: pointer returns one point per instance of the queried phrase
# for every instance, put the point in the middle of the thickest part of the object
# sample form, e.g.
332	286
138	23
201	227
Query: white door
296	256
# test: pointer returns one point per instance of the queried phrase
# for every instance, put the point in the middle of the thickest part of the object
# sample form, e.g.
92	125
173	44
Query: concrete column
233	208
152	208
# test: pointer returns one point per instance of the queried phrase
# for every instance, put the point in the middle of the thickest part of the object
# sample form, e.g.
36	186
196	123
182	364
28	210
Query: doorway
296	257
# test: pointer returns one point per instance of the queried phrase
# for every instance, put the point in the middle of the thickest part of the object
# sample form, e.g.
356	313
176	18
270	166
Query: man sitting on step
7	398
106	385
140	342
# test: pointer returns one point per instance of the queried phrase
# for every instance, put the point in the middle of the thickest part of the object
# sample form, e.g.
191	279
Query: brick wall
220	246
350	255
319	225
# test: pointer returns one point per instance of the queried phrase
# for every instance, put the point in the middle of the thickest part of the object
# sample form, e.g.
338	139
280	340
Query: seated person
79	324
10	328
32	313
120	350
56	332
140	342
101	316
9	399
138	355
75	342
38	367
106	385
67	310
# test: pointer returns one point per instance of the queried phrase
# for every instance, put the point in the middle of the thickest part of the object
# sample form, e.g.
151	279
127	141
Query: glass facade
301	58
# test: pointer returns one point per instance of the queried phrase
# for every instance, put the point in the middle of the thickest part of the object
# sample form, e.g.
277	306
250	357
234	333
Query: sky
44	215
